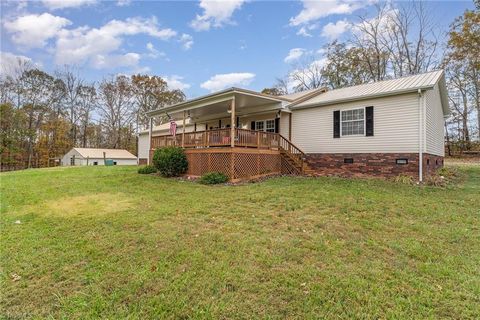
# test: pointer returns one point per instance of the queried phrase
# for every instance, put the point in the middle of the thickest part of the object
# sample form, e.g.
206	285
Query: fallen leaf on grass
15	277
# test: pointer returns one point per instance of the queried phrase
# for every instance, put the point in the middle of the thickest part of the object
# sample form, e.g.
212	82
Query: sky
197	46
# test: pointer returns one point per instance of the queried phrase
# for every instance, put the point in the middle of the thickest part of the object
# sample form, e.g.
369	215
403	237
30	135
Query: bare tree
70	77
306	74
117	107
87	102
367	35
410	39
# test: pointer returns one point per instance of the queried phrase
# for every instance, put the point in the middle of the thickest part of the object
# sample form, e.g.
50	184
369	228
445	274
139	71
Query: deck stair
293	159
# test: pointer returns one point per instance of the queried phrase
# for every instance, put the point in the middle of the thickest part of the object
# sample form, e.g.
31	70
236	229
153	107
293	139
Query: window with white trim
270	125
265	125
353	122
259	125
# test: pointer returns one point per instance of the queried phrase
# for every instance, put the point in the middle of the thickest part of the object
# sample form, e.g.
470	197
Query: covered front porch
240	133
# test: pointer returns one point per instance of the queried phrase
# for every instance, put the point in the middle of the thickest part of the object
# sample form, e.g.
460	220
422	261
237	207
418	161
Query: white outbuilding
98	157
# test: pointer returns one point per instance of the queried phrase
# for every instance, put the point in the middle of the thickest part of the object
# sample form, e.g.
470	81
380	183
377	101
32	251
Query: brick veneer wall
370	164
431	163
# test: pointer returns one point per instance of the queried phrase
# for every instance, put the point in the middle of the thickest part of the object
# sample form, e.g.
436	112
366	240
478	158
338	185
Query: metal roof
109	153
297	95
407	84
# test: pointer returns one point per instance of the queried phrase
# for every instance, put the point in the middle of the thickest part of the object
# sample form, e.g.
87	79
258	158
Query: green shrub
213	178
170	161
147	169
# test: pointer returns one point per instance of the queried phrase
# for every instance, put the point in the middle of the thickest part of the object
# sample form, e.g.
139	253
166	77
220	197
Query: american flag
173	127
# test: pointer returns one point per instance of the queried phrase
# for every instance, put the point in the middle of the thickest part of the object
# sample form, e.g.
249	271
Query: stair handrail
293	151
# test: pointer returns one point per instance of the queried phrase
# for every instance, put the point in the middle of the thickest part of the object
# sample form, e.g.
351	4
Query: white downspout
420	135
149	139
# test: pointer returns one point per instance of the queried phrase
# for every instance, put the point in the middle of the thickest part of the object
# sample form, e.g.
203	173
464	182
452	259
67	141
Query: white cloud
123	3
11	63
334	30
187	41
32	31
100	61
215	14
304	31
294	54
314	10
62	4
94	45
154	53
307	19
175	82
222	81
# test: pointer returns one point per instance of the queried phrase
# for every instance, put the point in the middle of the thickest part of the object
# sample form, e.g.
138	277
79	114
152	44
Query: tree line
42	115
398	42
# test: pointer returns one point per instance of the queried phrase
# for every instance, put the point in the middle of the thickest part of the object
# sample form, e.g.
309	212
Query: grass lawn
107	242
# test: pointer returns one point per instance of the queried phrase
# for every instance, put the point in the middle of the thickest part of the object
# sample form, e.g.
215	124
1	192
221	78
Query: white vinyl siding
434	123
395	127
143	146
284	124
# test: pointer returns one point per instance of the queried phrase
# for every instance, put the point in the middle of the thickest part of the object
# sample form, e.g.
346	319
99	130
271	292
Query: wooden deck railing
219	138
243	138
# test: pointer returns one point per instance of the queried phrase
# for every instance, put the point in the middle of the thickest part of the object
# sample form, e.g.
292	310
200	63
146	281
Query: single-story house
97	157
385	128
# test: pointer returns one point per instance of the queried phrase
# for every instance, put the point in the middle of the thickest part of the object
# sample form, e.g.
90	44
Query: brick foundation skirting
371	164
142	161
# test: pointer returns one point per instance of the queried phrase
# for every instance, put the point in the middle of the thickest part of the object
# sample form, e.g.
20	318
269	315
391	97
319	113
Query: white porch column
150	129
232	124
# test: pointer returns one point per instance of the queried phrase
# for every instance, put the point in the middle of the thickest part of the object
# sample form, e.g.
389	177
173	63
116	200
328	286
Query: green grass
106	242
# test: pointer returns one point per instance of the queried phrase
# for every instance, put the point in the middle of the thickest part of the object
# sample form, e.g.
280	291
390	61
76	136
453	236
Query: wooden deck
253	154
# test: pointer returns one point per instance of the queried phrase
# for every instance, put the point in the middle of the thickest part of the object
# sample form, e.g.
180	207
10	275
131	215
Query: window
259	125
72	161
270	125
114	163
401	161
353	122
95	163
348	160
265	125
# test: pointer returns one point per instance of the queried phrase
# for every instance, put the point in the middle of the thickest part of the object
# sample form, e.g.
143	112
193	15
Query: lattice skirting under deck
237	163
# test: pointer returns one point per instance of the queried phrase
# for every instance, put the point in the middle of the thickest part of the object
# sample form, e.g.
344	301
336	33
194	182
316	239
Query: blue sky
197	46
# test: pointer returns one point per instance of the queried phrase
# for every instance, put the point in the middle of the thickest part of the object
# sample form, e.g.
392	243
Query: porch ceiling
218	105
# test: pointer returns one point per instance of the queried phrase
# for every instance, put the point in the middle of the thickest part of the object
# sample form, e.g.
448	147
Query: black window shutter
369	121
252	125
237	122
336	124
277	125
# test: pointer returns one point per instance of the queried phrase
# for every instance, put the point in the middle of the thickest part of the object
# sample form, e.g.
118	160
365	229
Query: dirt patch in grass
83	205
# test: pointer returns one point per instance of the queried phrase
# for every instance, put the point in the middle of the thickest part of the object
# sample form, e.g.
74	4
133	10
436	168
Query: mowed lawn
106	242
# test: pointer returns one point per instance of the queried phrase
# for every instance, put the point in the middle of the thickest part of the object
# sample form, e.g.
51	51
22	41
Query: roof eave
182	105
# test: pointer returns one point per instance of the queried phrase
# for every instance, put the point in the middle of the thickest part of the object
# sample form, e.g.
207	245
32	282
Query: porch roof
220	101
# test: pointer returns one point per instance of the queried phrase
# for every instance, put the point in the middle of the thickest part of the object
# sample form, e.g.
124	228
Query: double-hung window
353	122
265	125
270	125
260	125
